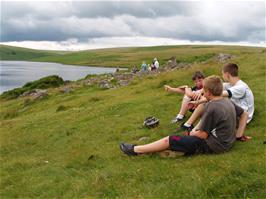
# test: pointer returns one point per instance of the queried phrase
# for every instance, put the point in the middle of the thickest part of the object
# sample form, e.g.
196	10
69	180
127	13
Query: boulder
123	82
104	84
66	90
35	93
171	63
123	76
223	57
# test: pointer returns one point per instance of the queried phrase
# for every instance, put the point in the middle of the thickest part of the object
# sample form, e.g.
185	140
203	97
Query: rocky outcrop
171	63
66	90
223	57
105	84
35	94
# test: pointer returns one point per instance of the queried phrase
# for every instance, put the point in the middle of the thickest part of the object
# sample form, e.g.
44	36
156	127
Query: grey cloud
93	9
194	21
137	9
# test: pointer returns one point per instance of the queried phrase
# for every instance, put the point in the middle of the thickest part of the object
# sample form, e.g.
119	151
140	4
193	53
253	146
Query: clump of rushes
61	108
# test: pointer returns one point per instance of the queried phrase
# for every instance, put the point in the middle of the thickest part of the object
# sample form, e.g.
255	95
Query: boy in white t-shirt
237	90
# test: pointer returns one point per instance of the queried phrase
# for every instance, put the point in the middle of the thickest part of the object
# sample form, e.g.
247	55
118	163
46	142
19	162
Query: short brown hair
231	68
214	85
197	75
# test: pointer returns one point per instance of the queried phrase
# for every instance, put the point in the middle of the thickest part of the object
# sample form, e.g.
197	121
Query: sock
179	116
187	125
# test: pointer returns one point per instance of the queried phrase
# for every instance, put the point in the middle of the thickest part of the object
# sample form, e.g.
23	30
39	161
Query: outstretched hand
167	88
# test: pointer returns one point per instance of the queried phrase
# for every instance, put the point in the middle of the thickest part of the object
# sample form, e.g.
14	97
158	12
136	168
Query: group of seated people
222	108
150	67
154	66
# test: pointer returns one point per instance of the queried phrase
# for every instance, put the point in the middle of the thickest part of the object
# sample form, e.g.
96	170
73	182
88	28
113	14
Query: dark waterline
15	74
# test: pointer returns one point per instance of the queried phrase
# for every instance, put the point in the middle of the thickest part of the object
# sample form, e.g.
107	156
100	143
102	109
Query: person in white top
237	90
156	63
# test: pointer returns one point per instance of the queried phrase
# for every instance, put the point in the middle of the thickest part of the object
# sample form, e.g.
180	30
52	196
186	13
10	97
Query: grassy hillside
73	152
17	53
123	57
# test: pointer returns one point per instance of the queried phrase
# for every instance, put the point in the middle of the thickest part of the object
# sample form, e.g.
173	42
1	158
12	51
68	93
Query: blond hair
214	85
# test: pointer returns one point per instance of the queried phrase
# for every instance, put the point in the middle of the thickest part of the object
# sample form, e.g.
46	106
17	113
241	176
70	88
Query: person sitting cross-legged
216	133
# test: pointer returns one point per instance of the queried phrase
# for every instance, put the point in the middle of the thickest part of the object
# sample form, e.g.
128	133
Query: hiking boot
128	148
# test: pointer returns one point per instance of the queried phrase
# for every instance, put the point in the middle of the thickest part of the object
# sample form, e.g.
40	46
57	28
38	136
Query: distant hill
18	53
120	57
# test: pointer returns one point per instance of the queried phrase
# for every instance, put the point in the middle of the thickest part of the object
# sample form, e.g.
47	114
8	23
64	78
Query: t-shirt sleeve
237	91
238	109
206	121
226	85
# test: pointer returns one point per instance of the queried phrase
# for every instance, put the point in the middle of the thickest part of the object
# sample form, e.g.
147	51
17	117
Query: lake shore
17	73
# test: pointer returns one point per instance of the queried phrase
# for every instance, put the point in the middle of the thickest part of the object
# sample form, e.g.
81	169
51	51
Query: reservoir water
15	74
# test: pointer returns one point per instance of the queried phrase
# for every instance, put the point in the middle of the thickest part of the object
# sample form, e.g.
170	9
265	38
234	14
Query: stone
35	93
39	94
66	90
223	57
123	76
172	62
123	82
104	84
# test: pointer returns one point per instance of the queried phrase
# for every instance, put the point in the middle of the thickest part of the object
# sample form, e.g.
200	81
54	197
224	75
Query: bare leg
184	105
242	124
197	126
156	146
196	114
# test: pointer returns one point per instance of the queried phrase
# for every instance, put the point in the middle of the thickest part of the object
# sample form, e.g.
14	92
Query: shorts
191	110
189	145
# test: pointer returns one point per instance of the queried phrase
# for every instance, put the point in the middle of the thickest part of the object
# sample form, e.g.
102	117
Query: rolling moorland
66	145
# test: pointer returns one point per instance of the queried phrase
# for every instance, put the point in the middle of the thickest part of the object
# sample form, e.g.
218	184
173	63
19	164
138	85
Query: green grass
67	145
17	53
122	57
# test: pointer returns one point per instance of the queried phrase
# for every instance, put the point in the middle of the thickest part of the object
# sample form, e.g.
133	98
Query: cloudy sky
79	25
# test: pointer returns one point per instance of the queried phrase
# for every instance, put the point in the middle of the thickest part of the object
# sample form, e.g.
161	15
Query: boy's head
229	70
198	79
212	87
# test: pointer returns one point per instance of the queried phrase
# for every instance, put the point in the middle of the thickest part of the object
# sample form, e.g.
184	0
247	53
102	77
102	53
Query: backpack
151	122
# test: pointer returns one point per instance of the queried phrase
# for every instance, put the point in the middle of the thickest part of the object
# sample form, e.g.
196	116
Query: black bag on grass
151	122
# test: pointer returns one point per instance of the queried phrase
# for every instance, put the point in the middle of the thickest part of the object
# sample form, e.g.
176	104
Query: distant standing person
156	63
